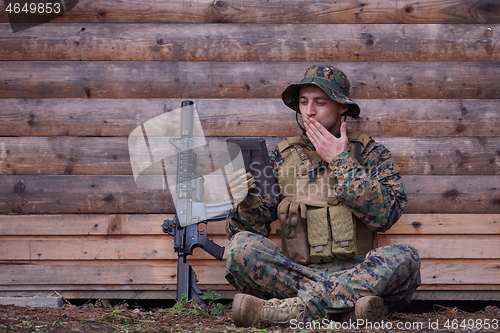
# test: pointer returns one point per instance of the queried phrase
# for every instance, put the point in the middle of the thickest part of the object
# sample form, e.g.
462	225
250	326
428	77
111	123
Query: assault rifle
190	211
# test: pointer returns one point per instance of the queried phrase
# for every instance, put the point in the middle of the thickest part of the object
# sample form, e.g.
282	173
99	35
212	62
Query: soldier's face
315	103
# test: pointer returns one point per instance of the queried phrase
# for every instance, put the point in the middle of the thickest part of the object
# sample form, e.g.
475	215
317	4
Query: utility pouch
319	236
297	249
294	231
343	228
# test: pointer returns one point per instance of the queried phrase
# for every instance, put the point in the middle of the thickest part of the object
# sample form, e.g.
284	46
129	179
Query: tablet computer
257	162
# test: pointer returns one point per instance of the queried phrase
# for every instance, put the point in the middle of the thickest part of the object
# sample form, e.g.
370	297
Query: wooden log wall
426	75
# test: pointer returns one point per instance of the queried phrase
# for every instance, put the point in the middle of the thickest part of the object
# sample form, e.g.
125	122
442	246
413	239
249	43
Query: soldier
338	189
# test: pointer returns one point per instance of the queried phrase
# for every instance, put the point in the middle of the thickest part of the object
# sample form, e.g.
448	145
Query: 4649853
34	8
471	324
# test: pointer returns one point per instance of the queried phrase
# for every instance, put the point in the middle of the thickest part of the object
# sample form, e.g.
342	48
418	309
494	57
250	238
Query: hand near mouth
326	144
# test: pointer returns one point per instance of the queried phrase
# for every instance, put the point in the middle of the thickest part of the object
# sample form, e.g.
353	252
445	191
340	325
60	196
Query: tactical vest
315	226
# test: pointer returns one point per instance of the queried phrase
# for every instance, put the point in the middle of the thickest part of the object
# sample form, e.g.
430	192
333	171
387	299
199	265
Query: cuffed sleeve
256	218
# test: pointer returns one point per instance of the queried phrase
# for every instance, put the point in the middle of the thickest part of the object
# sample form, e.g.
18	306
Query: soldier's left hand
241	184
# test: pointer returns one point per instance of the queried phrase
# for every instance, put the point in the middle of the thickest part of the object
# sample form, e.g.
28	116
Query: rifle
190	212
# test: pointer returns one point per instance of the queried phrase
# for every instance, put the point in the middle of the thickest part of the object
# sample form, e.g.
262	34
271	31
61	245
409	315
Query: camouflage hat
331	80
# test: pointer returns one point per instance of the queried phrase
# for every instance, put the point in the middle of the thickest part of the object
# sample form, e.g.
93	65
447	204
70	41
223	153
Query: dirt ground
101	316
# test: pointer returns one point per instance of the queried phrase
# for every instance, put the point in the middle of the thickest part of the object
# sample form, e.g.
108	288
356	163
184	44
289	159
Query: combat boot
368	308
251	311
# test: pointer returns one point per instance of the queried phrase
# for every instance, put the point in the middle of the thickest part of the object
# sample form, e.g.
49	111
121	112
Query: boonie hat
331	80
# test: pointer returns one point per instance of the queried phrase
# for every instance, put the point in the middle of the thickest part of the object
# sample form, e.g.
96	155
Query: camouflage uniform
374	193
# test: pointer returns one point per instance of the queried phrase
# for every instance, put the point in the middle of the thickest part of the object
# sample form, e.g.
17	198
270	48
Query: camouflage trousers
257	266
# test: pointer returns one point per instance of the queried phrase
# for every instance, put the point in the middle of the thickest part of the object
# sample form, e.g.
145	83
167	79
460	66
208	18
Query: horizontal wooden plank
38	289
110	156
452	194
446	291
155	247
449	246
111	247
80	194
29	194
373	80
150	224
445	156
437	293
462	291
87	224
289	11
65	155
168	293
236	117
479	272
156	275
249	42
119	117
446	224
127	273
492	293
80	287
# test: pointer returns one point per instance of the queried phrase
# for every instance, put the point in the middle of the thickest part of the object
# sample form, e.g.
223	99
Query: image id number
34	8
472	324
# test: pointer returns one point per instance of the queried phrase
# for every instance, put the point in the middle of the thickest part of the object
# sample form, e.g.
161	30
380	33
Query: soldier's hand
241	183
326	144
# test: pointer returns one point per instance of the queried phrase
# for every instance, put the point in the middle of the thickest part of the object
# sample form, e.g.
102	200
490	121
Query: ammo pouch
332	234
318	235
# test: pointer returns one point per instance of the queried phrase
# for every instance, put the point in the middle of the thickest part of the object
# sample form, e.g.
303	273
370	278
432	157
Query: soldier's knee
410	256
240	240
404	254
410	251
241	245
